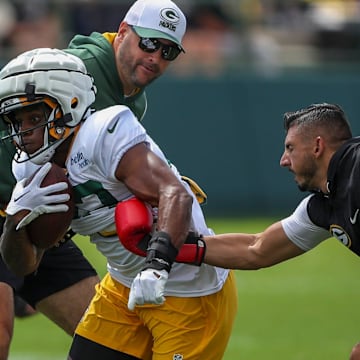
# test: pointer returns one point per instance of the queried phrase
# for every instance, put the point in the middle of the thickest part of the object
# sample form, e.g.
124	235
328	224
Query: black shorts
59	268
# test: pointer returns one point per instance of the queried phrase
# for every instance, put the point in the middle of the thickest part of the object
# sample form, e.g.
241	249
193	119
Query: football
48	229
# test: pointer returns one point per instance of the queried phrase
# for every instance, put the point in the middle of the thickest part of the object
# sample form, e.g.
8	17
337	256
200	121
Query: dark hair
327	119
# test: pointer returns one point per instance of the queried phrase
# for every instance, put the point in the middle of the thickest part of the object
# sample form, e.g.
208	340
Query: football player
121	75
46	97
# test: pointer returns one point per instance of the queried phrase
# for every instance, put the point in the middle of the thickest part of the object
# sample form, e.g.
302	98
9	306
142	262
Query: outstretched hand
36	199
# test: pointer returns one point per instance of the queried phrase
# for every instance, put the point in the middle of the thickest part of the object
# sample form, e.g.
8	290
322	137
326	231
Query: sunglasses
151	45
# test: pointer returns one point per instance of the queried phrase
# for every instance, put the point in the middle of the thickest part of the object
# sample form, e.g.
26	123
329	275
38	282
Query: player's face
136	67
29	124
298	158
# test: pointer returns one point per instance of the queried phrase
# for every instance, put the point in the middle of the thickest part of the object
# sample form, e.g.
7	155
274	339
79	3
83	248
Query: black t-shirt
339	211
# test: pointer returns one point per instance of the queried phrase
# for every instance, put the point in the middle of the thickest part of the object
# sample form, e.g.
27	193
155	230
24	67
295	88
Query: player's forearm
19	254
231	251
175	215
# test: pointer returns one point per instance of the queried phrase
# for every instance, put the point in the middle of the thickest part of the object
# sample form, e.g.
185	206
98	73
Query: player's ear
123	28
319	146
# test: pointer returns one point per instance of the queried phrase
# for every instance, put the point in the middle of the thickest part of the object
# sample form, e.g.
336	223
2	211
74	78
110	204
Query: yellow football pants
182	328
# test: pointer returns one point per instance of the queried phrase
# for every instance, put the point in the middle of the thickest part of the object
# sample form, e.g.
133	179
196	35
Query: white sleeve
126	132
301	230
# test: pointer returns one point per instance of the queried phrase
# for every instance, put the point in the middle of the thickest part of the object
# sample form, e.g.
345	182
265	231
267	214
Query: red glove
134	221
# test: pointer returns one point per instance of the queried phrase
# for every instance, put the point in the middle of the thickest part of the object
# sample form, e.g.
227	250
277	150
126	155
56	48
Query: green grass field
303	309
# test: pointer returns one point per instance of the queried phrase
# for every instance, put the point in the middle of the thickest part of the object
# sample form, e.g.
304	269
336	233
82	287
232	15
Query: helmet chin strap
46	154
43	157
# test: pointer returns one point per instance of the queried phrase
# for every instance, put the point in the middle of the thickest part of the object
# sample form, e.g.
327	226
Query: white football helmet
51	77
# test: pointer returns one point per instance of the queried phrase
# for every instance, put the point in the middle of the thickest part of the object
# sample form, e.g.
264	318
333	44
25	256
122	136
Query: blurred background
217	113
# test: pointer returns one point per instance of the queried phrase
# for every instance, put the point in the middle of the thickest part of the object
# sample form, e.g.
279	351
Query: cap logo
169	19
170	15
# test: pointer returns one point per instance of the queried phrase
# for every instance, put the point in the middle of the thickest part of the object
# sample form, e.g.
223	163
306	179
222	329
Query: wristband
160	253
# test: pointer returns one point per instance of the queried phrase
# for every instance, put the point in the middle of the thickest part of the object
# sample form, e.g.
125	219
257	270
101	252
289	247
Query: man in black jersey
325	160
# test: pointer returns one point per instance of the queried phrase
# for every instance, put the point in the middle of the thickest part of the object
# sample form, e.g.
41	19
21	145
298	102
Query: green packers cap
160	19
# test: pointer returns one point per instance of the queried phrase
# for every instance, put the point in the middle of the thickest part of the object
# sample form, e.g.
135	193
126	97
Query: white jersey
301	230
98	147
